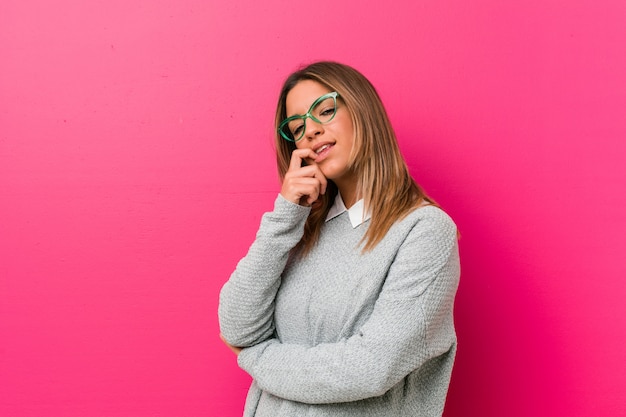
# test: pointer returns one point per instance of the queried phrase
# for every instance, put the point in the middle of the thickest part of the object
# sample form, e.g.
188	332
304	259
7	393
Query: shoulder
425	229
431	218
428	231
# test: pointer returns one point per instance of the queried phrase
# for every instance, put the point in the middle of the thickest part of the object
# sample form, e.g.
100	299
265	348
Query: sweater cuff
286	208
248	356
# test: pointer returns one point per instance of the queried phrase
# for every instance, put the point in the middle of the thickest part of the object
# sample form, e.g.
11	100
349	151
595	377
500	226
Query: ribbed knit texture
340	332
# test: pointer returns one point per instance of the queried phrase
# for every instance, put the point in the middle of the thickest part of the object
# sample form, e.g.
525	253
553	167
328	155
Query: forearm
246	304
363	366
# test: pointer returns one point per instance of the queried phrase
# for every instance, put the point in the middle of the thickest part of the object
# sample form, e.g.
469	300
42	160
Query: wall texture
136	160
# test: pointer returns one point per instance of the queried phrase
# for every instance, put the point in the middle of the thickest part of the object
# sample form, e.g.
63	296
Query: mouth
323	148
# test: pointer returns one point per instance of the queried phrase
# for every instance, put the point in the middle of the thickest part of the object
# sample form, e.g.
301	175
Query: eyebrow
308	109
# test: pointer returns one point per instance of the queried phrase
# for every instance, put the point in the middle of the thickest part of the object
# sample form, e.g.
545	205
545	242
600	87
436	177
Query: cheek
301	144
348	135
347	128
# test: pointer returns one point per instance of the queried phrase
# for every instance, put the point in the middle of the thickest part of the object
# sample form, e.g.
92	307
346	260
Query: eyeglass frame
308	114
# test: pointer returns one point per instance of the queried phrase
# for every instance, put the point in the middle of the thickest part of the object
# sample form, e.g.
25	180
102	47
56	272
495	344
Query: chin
334	175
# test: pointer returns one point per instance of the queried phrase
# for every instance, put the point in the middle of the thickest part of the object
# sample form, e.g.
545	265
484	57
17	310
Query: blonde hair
388	190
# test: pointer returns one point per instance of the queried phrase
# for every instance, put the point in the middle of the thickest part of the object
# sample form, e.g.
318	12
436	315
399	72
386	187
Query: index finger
299	155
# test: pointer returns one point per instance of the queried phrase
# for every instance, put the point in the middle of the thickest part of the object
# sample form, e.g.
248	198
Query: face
332	141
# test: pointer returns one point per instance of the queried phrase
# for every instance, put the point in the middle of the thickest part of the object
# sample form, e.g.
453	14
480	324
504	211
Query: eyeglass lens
322	111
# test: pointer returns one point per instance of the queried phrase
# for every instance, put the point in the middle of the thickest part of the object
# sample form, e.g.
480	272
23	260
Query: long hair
384	183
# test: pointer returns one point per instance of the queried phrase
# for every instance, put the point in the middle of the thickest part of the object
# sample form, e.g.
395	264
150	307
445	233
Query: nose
312	129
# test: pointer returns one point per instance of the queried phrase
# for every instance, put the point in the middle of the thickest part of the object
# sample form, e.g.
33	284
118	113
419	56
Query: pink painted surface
136	161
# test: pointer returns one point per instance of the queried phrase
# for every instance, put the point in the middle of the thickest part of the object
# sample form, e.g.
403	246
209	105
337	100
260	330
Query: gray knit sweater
340	332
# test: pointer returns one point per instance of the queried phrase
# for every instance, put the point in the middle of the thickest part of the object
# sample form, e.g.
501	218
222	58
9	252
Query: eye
297	129
325	109
327	112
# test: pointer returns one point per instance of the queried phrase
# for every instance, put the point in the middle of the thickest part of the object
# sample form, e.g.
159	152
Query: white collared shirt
356	212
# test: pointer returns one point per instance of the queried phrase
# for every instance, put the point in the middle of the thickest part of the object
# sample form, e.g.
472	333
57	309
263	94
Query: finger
295	166
306	171
319	175
313	171
294	189
299	155
235	349
311	196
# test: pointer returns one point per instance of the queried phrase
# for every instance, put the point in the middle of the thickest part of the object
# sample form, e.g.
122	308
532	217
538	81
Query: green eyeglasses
322	111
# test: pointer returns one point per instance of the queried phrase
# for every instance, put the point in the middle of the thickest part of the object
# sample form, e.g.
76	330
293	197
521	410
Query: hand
303	184
235	349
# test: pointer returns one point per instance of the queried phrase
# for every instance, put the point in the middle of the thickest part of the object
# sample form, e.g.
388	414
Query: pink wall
136	161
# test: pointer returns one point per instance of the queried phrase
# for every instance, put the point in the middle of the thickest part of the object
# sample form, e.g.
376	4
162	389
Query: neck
348	192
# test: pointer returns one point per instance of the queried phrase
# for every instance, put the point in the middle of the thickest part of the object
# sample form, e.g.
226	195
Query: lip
325	148
320	145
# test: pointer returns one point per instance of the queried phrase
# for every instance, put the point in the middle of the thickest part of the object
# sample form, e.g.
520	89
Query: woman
343	304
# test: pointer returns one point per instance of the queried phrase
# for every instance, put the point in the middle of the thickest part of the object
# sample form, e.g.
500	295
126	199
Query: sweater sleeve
411	323
246	306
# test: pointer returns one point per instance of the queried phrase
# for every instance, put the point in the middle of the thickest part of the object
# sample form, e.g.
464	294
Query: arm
410	324
246	308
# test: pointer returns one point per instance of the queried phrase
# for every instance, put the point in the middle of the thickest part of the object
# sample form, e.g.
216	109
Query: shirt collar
355	213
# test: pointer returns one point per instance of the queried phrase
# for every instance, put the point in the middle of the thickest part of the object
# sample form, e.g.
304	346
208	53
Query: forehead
300	98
